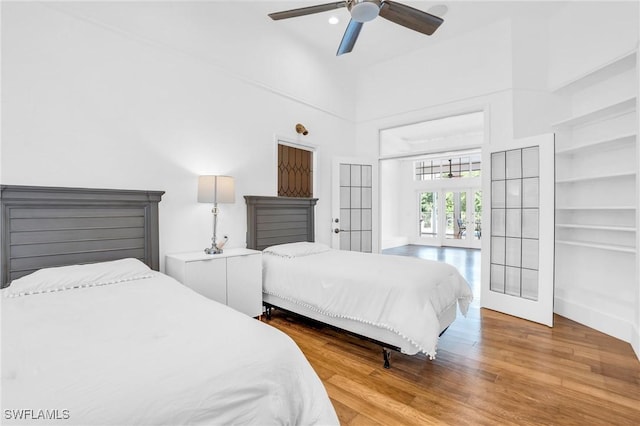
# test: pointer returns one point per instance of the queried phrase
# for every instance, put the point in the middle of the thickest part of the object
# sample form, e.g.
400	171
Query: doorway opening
431	185
449	210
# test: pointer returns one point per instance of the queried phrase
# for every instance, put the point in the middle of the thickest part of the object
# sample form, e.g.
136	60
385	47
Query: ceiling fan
366	10
450	175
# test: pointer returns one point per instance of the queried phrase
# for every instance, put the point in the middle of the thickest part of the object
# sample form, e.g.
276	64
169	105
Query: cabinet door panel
244	284
208	277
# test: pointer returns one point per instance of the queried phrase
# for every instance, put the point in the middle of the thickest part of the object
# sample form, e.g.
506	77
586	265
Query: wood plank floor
490	369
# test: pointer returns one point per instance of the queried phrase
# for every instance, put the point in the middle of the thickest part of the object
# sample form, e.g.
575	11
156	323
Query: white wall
391	210
587	34
533	104
473	64
94	96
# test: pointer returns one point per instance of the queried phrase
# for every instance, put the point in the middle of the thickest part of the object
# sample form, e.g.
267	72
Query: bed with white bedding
398	302
402	301
91	339
117	343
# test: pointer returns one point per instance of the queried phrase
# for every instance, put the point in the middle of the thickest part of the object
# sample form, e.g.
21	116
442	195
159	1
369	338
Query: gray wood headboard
48	226
279	220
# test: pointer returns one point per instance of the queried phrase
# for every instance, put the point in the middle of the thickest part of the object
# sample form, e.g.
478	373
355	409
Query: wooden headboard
279	220
47	226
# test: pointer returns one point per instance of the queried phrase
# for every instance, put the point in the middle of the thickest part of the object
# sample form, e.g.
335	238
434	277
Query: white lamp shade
216	189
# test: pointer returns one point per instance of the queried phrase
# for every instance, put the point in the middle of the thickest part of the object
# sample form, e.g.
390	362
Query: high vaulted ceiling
236	24
381	40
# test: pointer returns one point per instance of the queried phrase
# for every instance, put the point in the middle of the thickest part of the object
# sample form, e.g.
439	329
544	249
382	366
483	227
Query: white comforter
401	294
150	351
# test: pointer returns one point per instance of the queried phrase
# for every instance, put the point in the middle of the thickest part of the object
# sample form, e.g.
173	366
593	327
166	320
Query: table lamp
214	190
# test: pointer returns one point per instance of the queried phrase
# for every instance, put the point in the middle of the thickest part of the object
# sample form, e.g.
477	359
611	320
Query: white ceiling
235	23
381	40
419	138
463	124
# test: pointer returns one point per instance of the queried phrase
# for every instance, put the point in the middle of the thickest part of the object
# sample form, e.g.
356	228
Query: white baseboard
635	341
603	322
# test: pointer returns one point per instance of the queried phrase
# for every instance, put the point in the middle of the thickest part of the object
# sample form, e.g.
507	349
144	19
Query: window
295	172
444	168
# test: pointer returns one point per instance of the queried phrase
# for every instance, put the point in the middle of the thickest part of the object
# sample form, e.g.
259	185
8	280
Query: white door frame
540	311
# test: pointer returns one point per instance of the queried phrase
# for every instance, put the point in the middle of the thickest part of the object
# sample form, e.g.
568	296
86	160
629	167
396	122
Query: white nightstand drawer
198	276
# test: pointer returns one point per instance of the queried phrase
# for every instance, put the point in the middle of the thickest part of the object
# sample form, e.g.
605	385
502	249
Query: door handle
337	230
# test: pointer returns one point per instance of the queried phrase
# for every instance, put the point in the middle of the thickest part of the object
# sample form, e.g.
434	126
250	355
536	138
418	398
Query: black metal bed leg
385	354
267	310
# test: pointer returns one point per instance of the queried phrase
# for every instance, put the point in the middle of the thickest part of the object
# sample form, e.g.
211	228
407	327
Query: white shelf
618	108
596	227
616	66
596	208
609	247
609	142
596	177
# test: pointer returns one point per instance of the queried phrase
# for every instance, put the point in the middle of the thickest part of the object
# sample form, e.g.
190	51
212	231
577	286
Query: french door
462	217
354	197
451	217
518	249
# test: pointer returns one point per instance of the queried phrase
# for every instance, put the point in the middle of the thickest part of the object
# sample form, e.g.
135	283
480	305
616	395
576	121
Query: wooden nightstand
233	277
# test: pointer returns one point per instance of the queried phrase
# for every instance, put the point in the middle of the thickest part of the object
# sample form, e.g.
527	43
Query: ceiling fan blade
349	38
410	17
293	13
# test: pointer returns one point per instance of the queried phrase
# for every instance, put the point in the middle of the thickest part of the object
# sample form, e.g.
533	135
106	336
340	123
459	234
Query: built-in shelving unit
613	67
596	227
585	208
597	193
603	112
598	144
609	247
596	177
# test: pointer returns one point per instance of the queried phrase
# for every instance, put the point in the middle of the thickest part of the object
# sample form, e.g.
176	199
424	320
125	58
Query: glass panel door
456	214
514	254
428	202
353	225
462	222
518	273
476	221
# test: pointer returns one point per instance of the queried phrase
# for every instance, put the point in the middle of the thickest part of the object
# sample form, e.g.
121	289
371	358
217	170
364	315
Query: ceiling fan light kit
367	10
363	10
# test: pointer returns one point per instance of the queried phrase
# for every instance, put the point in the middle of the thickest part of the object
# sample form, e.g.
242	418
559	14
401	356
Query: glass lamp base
213	250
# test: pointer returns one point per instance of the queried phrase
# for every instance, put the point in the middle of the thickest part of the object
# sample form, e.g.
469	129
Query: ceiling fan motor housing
363	10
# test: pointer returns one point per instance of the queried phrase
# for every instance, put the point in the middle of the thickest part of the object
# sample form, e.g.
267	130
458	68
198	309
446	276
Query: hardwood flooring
490	369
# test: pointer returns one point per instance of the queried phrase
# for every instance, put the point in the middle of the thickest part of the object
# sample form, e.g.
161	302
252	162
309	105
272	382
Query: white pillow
297	249
78	276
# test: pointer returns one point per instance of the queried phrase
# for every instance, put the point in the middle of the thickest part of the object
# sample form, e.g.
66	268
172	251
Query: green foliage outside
427	200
